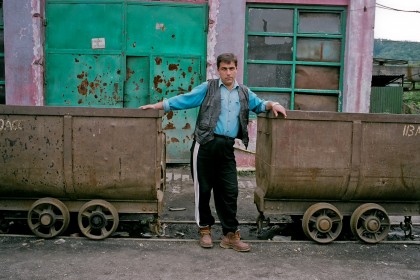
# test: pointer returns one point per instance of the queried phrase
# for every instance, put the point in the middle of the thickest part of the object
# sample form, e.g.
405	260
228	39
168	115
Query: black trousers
214	169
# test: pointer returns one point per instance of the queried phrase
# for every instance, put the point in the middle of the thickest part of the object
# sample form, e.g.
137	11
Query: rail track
187	230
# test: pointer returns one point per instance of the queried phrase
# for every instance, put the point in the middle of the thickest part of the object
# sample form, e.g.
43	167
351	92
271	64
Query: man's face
227	72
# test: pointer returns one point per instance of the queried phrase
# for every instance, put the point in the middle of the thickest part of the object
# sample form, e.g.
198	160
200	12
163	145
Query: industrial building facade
305	54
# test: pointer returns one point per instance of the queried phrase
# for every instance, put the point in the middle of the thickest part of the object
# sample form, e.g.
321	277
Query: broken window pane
317	77
311	49
270	20
270	48
268	75
319	23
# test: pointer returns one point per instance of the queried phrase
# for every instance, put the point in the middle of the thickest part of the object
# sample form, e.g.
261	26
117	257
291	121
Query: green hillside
401	50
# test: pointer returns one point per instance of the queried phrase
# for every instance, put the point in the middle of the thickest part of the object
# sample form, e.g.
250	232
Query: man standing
223	116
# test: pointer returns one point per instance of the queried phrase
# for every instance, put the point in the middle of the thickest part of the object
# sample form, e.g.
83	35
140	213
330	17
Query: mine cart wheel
97	219
322	223
48	217
370	223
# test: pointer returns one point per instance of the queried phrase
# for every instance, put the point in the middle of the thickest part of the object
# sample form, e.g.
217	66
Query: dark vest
211	108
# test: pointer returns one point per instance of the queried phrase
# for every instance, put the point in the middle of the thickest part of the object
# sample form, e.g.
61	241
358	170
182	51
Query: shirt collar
236	85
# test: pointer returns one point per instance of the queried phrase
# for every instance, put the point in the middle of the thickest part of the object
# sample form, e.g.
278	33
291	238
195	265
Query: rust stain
80	101
158	60
156	81
130	72
181	90
116	91
187	126
81	75
174	140
169	126
83	87
189	69
183	74
170	115
173	67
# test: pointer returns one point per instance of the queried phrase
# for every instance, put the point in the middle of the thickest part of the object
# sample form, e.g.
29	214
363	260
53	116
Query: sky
395	25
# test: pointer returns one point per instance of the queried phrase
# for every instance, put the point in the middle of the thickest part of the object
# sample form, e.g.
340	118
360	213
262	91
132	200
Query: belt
223	136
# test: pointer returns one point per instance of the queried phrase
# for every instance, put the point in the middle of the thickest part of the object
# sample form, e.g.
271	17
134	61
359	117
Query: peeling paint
212	39
38	53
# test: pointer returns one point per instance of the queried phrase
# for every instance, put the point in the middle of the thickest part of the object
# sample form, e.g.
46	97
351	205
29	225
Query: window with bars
294	55
2	76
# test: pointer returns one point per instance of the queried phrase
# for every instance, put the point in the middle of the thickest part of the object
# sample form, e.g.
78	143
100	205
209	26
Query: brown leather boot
205	237
233	241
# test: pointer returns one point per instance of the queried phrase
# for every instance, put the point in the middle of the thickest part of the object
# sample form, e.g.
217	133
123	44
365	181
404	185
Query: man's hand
278	108
157	106
148	106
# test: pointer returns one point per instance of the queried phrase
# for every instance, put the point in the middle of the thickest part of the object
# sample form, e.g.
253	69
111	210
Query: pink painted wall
359	56
24	52
304	2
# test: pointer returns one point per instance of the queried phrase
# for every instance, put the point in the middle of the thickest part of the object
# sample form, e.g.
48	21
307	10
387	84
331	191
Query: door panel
84	80
173	76
169	29
137	82
74	25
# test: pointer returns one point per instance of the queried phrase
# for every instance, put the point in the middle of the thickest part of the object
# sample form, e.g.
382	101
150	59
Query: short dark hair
227	58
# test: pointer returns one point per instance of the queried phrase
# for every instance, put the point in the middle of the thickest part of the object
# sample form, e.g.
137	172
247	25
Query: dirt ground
152	257
80	258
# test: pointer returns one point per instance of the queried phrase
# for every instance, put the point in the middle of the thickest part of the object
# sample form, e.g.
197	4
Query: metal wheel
322	223
48	217
97	219
370	223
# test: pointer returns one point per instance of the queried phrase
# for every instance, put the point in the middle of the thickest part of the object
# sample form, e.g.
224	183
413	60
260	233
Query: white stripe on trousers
196	184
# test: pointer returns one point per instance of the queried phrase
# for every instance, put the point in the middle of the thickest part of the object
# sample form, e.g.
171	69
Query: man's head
227	58
227	67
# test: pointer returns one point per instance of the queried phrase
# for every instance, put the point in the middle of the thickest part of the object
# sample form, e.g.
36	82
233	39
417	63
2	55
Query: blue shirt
228	122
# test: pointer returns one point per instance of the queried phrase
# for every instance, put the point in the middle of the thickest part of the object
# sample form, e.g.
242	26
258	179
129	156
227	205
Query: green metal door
173	76
166	51
84	44
111	54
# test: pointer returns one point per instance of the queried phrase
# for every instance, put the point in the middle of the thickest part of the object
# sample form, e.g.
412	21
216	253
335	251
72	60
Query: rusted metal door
173	76
84	54
166	51
128	54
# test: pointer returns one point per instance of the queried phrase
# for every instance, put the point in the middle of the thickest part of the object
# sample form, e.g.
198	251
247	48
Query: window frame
294	62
